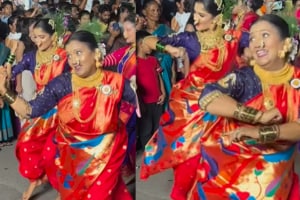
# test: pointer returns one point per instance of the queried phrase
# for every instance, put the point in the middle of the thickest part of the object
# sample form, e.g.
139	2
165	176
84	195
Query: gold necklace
211	39
77	83
268	78
44	61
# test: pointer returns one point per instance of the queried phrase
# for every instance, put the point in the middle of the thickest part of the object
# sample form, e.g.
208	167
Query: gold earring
252	62
97	58
54	39
287	46
281	54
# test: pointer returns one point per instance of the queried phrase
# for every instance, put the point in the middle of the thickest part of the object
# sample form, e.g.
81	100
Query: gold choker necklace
281	76
211	39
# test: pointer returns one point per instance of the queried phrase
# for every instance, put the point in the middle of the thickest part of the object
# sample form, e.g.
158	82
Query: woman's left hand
242	133
3	77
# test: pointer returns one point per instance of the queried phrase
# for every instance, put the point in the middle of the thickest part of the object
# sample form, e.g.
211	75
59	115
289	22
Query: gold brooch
56	57
295	83
106	89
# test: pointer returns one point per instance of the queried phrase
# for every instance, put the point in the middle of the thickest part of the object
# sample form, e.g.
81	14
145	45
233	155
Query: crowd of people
208	88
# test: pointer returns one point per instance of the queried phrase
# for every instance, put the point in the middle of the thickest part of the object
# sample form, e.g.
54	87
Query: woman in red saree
176	143
45	63
90	138
251	153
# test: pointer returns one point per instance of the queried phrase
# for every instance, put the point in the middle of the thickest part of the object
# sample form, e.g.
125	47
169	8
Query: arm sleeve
114	58
188	40
53	92
241	85
27	63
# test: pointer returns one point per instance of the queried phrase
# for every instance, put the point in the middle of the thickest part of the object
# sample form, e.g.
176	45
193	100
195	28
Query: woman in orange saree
90	138
251	153
45	63
176	143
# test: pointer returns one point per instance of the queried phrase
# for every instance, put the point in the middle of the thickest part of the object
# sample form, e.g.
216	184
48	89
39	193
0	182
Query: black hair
84	12
7	3
211	7
255	5
45	25
23	25
104	8
12	19
294	2
140	35
279	23
84	36
149	2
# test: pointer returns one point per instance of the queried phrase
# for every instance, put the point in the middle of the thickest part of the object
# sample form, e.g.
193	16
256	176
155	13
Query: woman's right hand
272	116
177	52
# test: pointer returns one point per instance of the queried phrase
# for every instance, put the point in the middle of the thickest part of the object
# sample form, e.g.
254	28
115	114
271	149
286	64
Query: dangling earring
97	58
286	48
54	39
252	62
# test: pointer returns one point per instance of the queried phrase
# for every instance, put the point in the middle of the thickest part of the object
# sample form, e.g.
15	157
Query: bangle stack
159	47
9	97
11	59
268	134
207	99
247	114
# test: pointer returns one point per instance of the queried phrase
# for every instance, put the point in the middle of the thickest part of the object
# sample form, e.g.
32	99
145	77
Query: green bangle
160	47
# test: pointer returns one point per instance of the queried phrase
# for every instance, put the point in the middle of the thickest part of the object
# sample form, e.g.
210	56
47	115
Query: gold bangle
207	99
268	134
246	114
9	97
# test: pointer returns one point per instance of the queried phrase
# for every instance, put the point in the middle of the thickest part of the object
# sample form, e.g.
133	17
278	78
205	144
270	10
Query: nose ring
262	44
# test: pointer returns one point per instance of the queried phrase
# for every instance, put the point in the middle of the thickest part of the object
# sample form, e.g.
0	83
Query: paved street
12	184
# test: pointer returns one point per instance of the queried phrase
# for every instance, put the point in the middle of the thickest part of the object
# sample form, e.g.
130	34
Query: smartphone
277	5
116	26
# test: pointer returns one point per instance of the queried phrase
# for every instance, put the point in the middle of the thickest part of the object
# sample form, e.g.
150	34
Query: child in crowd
150	90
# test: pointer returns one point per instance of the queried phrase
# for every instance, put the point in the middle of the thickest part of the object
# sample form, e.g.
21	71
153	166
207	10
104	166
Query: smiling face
152	11
265	43
42	40
81	58
203	19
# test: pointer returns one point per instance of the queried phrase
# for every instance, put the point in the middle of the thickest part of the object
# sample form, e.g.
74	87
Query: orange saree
92	142
246	169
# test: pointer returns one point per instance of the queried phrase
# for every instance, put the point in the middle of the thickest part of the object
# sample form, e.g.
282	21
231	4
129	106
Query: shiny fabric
244	170
178	138
30	147
90	153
